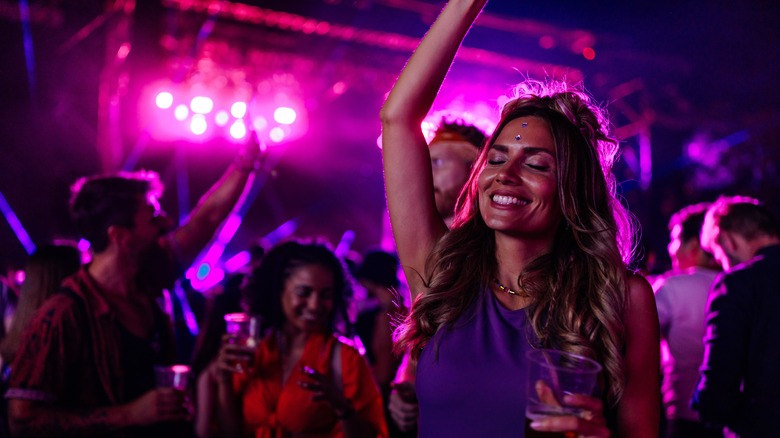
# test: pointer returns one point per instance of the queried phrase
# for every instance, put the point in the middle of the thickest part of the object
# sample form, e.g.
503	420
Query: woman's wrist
246	164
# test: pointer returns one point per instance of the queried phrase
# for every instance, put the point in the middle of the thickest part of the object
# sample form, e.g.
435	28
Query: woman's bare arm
639	409
417	225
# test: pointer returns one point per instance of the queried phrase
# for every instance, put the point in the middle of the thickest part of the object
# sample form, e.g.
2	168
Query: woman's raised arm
408	180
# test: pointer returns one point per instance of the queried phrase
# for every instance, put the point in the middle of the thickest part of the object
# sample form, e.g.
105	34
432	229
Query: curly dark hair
265	286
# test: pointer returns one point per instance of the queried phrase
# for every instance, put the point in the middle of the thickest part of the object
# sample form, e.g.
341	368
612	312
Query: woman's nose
507	175
314	302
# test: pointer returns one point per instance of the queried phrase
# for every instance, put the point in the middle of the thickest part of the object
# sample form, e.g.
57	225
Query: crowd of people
508	242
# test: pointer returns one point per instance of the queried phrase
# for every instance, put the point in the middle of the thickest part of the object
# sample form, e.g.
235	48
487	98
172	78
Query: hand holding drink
240	341
560	386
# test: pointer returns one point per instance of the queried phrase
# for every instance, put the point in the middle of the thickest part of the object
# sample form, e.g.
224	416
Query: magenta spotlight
19	276
284	115
238	130
164	100
276	134
339	88
201	105
123	51
83	245
198	124
221	118
238	109
588	53
181	112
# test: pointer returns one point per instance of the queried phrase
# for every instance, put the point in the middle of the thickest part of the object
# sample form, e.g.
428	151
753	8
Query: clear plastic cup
243	329
553	374
172	376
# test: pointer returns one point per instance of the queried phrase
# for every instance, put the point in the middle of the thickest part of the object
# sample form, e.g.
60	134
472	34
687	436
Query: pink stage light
276	135
237	262
201	105
238	130
221	118
181	112
284	115
547	42
339	88
588	53
83	245
123	51
198	124
260	123
164	100
238	109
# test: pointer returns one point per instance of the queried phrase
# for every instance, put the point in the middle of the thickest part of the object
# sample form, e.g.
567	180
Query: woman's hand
232	358
590	423
324	389
403	406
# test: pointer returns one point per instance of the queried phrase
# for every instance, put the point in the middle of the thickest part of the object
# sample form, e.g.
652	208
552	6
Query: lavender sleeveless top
474	385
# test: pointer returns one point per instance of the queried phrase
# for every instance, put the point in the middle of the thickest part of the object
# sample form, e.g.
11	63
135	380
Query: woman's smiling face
518	187
307	299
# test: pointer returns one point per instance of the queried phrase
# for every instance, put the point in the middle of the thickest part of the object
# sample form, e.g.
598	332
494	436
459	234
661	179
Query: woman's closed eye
495	159
538	166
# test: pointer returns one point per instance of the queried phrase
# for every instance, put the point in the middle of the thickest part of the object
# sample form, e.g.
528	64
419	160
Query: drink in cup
243	329
172	376
553	374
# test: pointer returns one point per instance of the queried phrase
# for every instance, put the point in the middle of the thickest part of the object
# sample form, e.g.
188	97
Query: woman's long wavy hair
47	267
580	286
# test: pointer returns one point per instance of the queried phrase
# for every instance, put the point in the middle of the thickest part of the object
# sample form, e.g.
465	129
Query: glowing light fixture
238	109
201	105
198	124
588	53
181	112
284	115
260	123
238	130
276	134
164	100
221	118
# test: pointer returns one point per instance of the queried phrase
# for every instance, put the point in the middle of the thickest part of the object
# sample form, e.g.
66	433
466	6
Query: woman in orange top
303	380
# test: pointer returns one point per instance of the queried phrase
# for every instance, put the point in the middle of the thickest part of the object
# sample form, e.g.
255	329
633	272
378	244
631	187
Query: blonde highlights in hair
580	286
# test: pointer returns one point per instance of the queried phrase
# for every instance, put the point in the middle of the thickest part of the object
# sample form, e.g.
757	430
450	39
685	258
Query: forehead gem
525	124
518	137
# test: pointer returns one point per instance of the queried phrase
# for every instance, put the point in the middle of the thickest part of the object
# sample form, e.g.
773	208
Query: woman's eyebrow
529	150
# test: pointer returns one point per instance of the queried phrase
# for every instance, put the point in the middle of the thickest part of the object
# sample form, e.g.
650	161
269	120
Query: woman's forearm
419	82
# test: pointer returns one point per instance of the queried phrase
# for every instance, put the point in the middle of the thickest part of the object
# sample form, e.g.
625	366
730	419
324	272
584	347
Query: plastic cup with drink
172	376
242	330
553	374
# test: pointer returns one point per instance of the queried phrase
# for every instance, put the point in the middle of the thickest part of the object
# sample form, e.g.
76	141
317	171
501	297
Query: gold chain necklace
510	291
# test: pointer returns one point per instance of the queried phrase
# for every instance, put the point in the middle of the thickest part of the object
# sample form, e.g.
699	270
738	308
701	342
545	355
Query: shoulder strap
335	365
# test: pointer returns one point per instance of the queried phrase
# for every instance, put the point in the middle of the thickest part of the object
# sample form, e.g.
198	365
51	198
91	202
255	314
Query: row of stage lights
201	117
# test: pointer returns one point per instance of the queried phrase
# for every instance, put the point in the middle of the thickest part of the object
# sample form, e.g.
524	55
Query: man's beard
157	270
